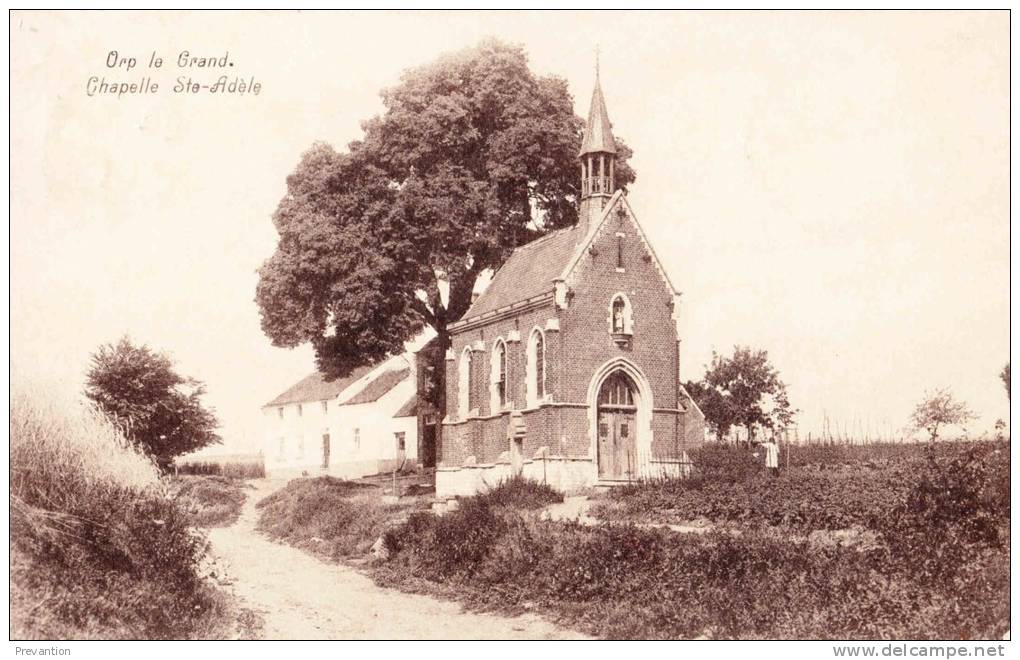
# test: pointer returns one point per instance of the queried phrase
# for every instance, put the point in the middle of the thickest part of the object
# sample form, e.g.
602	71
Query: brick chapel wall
585	325
484	436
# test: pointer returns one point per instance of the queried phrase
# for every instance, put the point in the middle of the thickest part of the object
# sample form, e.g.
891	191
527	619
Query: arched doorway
617	428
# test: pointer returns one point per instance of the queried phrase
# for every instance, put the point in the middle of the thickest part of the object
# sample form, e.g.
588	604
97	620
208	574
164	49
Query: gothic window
498	397
621	316
617	391
536	368
464	384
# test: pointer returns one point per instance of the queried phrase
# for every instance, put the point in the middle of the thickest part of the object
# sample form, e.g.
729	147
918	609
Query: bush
520	493
98	549
209	501
329	516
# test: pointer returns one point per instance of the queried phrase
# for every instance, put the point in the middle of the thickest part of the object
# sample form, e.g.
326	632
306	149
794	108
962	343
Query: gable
597	231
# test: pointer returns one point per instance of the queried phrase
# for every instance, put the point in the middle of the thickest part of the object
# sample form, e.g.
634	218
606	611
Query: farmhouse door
325	450
616	414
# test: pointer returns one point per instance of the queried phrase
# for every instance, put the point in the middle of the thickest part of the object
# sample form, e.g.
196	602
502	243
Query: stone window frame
532	396
499	401
464	384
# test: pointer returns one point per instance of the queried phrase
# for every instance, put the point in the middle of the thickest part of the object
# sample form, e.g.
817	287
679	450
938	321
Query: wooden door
617	458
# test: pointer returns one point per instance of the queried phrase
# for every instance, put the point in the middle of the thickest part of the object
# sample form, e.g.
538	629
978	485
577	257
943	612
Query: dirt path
303	597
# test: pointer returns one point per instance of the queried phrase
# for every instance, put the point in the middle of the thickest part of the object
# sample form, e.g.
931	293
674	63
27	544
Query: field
99	547
886	541
238	466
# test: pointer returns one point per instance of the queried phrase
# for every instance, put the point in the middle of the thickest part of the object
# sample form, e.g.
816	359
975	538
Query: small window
279	412
400	441
619	251
299	410
357	438
325	406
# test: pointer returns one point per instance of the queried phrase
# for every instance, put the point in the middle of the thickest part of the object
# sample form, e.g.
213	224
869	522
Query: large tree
742	390
473	156
159	410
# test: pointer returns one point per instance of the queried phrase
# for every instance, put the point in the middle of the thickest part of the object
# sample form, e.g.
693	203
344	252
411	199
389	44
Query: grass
209	501
939	567
330	517
520	493
248	469
98	548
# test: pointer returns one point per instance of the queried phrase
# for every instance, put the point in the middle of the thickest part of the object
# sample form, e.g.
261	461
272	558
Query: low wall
561	472
341	470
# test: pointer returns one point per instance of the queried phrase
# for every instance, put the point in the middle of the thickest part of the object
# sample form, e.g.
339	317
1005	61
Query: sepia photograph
510	325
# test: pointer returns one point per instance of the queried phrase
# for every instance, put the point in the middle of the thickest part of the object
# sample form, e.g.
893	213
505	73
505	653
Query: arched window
621	316
464	384
498	379
536	368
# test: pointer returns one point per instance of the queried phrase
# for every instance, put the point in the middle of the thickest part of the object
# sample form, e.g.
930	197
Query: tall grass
231	469
98	549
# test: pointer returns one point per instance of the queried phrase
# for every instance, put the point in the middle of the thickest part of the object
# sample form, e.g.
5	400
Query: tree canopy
473	156
742	390
158	409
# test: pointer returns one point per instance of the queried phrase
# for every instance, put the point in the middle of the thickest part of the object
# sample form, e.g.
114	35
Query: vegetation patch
331	517
939	567
98	547
248	469
520	493
209	501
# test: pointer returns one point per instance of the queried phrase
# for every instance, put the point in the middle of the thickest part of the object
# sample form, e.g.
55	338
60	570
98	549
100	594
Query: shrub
520	493
209	501
329	516
98	550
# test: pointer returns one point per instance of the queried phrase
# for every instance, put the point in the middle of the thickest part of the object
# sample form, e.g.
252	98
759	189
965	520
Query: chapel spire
598	155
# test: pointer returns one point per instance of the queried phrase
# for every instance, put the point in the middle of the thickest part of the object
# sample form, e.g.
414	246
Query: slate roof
598	131
315	388
409	409
529	271
378	386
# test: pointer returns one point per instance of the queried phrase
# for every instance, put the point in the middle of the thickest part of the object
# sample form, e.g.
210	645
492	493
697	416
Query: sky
831	187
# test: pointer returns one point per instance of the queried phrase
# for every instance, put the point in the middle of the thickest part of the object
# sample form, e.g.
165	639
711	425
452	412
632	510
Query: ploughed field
879	541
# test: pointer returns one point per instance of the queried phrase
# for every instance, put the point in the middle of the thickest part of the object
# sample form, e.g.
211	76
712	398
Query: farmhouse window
357	438
299	410
325	406
279	412
400	441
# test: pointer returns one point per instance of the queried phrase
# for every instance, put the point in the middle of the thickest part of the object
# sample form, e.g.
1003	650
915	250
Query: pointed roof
374	389
315	387
529	271
598	132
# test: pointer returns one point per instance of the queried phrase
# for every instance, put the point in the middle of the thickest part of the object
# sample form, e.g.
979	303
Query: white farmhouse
352	427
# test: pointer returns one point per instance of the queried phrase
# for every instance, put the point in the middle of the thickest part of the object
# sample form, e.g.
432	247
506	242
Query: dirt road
303	597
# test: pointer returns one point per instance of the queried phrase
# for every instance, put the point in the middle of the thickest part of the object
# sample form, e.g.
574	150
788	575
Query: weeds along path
303	597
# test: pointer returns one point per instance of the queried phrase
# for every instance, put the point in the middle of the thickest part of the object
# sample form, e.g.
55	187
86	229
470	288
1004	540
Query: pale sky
832	187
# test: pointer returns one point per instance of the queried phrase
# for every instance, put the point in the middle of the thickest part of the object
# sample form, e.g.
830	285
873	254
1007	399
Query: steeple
598	156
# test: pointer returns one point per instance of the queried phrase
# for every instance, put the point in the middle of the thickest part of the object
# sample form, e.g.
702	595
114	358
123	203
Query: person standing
772	457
